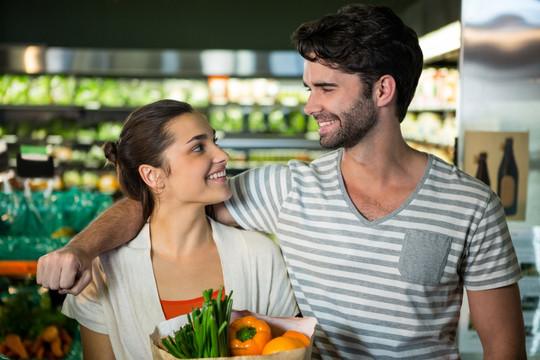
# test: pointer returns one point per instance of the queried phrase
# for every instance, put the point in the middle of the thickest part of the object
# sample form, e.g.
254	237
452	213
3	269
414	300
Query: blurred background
71	72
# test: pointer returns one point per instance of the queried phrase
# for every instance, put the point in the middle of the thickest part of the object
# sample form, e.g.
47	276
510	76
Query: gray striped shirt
385	289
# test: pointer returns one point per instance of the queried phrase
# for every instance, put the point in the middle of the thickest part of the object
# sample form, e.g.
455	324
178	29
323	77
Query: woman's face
197	164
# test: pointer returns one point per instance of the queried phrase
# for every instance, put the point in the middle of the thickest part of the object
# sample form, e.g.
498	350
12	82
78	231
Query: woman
167	158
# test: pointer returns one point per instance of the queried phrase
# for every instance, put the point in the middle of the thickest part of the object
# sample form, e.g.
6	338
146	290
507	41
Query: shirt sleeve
86	307
258	195
491	260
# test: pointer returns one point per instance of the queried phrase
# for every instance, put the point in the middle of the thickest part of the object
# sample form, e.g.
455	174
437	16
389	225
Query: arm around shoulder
68	269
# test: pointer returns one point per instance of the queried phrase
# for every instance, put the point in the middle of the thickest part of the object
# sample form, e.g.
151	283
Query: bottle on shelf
482	173
507	187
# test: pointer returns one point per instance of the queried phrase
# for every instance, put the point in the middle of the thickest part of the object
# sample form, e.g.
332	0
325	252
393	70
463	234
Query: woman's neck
179	232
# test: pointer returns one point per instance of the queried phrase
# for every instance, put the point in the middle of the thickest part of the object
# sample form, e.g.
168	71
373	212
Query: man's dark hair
370	41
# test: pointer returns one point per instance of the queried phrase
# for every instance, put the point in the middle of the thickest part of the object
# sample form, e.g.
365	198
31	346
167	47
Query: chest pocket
423	257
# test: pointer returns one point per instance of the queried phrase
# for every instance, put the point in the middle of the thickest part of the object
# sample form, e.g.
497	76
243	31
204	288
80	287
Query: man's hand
67	269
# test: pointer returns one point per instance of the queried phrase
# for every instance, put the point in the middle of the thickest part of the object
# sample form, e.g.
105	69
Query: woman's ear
385	90
150	175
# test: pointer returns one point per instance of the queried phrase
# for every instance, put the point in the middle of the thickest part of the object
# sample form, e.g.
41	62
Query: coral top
172	309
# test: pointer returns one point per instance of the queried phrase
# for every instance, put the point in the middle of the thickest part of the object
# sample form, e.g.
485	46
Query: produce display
31	325
217	331
37	223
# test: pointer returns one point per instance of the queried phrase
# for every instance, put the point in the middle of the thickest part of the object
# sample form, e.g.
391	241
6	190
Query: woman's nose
221	155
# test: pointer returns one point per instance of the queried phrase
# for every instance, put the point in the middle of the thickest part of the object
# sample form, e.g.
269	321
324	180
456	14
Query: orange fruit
298	336
281	343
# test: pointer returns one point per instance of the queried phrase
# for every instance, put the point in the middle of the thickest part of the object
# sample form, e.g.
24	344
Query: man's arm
68	269
223	215
498	319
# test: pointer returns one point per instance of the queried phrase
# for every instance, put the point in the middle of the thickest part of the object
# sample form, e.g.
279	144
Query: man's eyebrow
322	84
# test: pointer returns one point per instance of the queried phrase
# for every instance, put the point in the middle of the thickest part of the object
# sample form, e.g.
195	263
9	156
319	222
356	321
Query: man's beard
354	124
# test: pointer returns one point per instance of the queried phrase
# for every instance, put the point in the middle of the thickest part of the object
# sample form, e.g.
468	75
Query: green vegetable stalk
206	335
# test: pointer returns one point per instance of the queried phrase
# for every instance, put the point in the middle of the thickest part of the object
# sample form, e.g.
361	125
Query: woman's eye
198	148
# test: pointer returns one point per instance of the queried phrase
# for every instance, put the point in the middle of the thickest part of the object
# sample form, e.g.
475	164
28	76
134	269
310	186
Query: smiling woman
168	160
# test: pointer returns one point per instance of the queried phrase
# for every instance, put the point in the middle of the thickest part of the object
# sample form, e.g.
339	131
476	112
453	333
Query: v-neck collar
376	222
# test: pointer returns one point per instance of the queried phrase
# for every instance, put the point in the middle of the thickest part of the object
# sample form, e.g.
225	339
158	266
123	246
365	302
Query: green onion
206	335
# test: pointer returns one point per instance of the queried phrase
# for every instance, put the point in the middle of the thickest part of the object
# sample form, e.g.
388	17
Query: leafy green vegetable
206	334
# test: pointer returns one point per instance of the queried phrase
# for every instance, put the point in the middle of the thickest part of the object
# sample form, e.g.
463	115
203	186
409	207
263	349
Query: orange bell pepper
248	336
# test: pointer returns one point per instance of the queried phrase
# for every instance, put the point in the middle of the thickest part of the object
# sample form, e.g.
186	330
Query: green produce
217	119
88	90
62	89
16	89
276	122
256	122
109	131
72	178
297	122
312	125
39	90
207	333
114	93
144	92
89	180
235	119
86	135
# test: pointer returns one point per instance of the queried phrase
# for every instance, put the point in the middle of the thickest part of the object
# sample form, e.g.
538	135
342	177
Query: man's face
338	104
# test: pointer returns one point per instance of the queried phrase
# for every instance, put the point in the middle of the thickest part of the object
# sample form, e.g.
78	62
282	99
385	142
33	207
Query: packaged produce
283	338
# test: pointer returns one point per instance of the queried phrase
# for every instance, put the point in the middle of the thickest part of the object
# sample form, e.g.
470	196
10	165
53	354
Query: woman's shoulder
238	238
129	251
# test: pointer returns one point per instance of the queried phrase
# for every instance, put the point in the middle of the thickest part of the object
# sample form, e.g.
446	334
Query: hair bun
111	151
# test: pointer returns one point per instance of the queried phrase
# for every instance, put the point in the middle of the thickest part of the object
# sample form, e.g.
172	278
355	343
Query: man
378	238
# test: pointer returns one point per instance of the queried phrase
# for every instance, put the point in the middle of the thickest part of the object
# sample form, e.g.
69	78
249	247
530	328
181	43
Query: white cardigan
123	302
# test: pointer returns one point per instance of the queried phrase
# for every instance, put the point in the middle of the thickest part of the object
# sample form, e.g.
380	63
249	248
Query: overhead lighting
442	41
32	63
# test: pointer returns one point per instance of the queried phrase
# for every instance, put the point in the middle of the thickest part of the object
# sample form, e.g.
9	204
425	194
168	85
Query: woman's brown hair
143	140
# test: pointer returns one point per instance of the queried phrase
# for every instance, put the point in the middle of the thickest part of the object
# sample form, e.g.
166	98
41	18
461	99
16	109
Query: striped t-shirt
390	288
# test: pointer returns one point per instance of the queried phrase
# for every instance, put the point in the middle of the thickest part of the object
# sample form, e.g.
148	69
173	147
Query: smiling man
380	240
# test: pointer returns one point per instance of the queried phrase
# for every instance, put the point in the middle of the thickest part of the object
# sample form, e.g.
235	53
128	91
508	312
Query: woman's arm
68	269
95	345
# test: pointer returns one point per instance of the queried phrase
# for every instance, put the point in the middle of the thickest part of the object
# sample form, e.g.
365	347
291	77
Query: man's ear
385	90
150	175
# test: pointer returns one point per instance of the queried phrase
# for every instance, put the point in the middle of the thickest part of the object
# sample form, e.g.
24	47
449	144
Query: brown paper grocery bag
277	324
